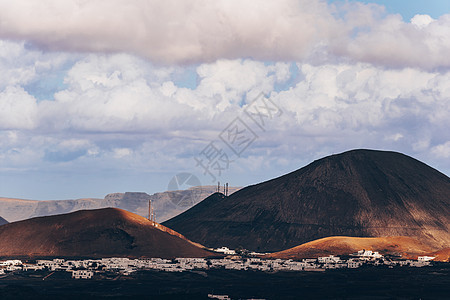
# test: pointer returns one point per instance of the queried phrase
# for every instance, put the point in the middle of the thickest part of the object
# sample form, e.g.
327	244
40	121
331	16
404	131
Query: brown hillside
442	255
342	245
94	233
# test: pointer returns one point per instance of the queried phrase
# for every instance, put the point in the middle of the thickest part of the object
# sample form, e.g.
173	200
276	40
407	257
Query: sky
111	96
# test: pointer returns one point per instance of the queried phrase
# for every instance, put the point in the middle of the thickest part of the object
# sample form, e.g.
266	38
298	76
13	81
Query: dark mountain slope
3	221
364	193
94	233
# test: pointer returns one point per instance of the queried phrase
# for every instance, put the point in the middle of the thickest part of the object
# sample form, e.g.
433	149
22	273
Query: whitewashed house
329	259
220	297
225	250
368	254
14	262
425	258
353	263
83	274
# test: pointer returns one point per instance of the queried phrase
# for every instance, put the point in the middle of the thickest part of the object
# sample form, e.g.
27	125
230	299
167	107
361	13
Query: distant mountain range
3	221
359	193
108	232
166	205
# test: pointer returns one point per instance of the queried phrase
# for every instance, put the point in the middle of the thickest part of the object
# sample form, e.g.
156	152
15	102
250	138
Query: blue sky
99	104
410	8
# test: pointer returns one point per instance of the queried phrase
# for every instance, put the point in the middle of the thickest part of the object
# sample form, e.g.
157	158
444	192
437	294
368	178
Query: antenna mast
151	213
149	210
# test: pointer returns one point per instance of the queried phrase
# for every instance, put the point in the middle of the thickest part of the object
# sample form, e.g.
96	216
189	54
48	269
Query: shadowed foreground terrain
363	283
360	193
94	233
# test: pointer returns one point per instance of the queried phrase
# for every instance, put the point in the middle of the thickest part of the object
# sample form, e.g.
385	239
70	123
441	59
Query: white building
329	259
30	267
368	254
425	258
225	250
14	262
419	264
404	262
353	263
220	297
83	274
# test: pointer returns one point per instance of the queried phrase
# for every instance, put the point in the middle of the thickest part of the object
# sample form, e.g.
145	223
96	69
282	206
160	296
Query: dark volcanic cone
360	193
94	233
3	221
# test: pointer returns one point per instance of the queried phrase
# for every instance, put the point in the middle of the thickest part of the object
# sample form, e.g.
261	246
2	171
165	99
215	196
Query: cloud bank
170	31
124	111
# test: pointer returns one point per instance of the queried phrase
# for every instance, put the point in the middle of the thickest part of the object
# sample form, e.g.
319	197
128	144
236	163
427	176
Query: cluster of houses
86	269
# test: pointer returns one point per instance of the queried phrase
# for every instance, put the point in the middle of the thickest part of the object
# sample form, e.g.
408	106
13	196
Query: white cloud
422	21
120	93
395	137
394	43
199	31
21	65
357	105
18	110
169	30
122	152
14	69
442	150
113	95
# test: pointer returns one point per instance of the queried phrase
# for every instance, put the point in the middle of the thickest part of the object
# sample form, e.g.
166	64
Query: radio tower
151	215
226	191
149	210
